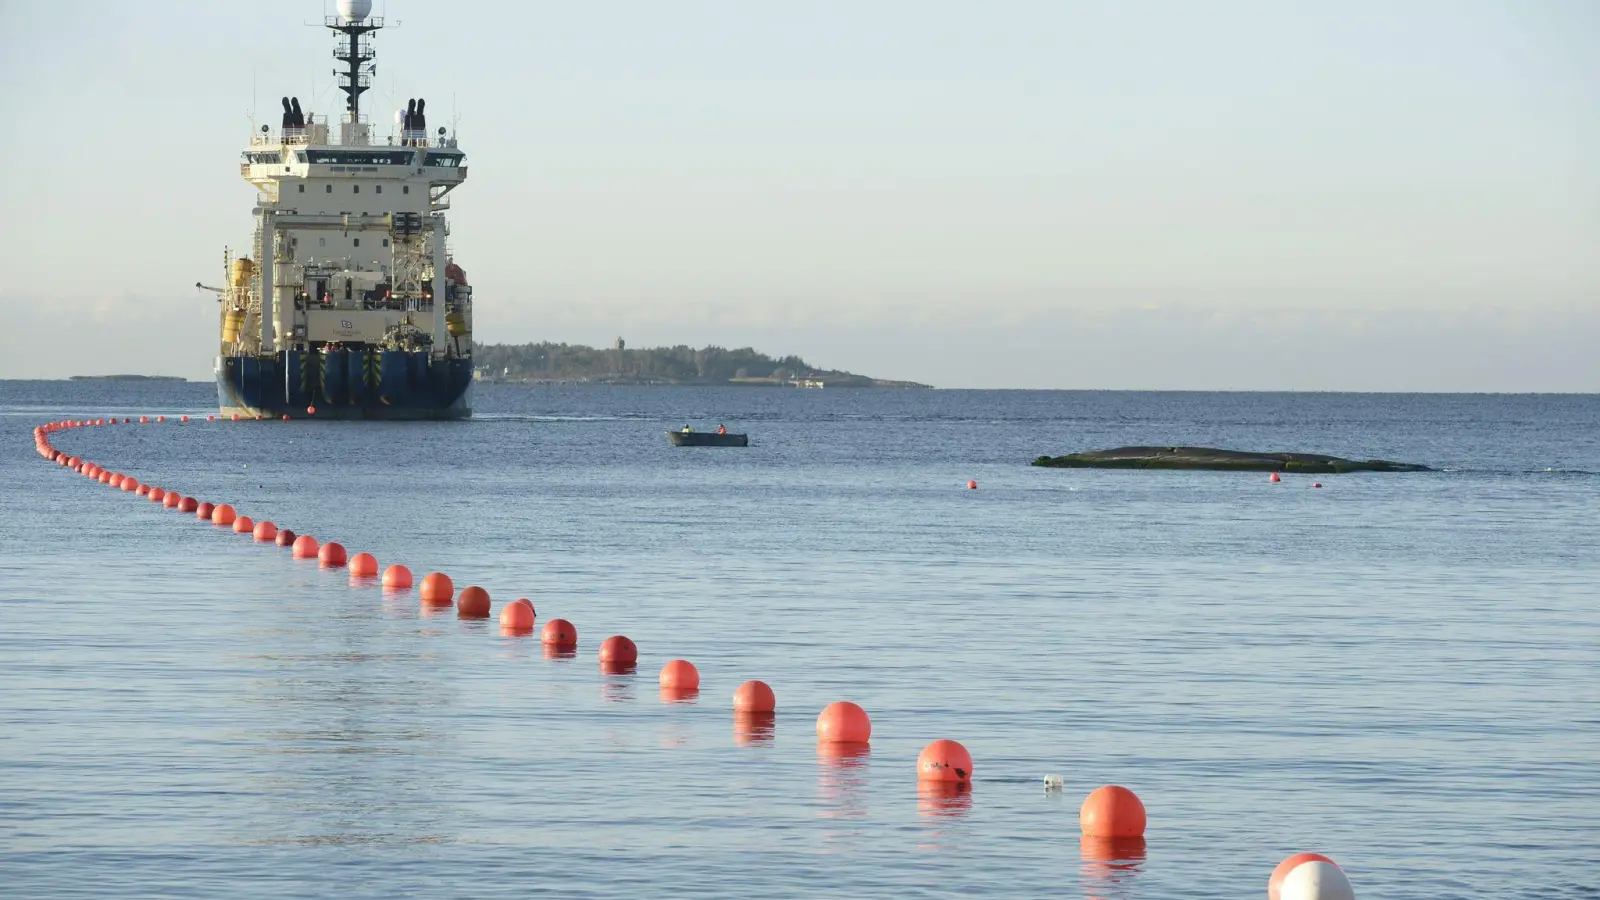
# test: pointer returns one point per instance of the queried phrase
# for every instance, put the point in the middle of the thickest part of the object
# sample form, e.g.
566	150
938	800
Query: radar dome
354	10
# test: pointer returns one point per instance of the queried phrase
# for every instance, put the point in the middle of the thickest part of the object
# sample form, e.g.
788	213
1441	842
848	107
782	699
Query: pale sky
1056	194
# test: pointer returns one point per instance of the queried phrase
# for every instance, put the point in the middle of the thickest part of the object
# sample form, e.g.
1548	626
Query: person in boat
687	429
722	429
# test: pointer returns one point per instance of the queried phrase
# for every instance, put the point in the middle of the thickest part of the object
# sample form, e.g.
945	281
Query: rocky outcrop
1220	460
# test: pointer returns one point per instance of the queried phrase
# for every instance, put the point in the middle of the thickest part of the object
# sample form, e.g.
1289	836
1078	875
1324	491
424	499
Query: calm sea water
1397	670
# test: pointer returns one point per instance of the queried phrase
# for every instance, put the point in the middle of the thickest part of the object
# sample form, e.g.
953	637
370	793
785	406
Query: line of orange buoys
1112	818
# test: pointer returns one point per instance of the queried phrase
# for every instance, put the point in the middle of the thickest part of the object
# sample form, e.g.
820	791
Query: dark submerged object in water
707	439
1220	460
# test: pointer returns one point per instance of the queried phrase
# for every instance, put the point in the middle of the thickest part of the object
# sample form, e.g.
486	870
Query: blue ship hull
345	384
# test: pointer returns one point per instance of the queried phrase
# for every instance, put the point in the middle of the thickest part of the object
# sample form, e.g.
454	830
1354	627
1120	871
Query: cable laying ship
351	307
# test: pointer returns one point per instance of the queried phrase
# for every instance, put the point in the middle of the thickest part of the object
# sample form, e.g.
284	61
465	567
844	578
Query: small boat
707	439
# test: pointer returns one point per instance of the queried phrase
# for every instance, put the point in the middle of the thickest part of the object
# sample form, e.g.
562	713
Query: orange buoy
944	760
844	722
265	531
972	485
559	633
1112	811
183	418
188	505
473	603
236	417
144	420
363	565
754	697
397	577
160	419
157	495
311	410
223	514
331	555
285	538
516	618
173	500
142	490
437	589
1275	883
1316	484
203	511
286	417
211	418
112	478
1274	478
129	483
305	547
619	651
244	525
680	675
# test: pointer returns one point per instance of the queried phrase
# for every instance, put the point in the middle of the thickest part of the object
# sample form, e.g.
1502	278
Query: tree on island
680	364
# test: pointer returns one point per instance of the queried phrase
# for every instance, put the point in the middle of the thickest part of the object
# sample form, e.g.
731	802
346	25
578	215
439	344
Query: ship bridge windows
444	159
263	159
358	157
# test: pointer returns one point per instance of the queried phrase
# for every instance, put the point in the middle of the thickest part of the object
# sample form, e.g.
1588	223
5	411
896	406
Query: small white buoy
1316	880
1054	782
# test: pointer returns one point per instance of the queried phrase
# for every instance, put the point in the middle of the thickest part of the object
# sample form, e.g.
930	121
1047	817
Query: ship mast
354	49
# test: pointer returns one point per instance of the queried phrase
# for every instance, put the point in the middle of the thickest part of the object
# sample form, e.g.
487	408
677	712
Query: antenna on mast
354	22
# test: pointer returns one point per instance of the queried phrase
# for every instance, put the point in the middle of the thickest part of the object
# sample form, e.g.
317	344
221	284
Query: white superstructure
350	248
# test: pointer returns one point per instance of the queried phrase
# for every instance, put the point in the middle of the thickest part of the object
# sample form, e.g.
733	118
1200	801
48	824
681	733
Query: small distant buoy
244	525
311	410
211	418
112	478
236	417
845	723
972	485
944	760
142	490
1112	811
331	555
223	514
129	483
203	511
559	633
305	547
183	418
473	603
1311	876
437	589
517	618
754	697
265	531
397	577
680	675
363	565
157	495
160	419
285	538
144	420
286	417
1274	478
1316	484
173	500
619	650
